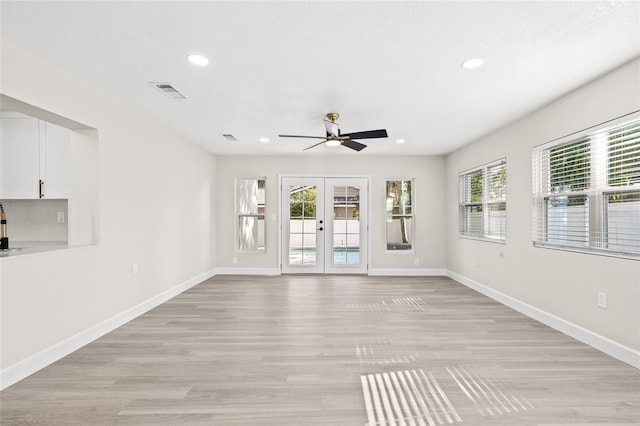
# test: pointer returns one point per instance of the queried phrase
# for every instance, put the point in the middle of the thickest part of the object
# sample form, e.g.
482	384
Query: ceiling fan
335	138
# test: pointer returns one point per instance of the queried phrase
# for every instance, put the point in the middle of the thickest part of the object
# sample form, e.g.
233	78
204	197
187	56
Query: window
400	221
586	190
250	208
482	198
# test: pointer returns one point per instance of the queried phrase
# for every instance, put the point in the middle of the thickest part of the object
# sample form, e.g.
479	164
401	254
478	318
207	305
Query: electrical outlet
60	217
416	261
602	299
234	260
473	261
134	269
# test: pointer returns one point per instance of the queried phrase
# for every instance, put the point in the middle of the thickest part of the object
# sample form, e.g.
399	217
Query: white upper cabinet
34	158
19	158
54	161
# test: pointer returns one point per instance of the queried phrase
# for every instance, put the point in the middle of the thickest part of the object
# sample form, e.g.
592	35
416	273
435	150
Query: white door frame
366	205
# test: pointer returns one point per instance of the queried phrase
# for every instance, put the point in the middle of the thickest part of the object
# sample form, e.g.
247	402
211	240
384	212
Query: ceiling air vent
230	137
168	90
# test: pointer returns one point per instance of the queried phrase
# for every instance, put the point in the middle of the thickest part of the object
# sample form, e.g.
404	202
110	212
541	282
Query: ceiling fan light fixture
472	63
196	59
264	140
333	142
400	141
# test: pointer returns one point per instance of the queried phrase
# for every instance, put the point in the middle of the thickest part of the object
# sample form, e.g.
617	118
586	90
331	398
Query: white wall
156	207
559	283
427	171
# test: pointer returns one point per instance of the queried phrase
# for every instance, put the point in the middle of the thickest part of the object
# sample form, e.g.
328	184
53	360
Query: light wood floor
330	350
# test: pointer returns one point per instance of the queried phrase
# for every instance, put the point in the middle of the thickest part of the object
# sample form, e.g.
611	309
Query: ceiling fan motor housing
333	116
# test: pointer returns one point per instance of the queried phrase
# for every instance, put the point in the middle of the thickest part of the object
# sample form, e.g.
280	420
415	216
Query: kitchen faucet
4	239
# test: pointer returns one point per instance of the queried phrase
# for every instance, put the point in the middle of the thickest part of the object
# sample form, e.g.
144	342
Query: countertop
22	248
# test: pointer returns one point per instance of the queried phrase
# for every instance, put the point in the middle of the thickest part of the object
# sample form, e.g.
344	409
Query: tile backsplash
37	220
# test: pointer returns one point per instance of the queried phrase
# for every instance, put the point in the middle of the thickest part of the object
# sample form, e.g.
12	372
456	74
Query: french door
324	225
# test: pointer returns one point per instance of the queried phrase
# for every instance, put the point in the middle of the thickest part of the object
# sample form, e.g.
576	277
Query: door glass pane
295	248
346	225
353	257
302	225
353	241
309	226
296	210
309	249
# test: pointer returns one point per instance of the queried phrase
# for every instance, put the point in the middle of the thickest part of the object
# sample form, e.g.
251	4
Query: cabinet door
55	161
19	158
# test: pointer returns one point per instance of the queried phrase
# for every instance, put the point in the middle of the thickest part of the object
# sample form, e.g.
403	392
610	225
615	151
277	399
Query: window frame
411	216
602	183
485	202
239	215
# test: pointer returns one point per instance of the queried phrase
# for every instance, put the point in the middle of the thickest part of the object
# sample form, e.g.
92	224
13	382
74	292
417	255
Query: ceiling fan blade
369	134
332	128
298	136
355	145
313	146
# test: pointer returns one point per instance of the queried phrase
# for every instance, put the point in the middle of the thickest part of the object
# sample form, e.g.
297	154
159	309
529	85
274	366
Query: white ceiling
279	67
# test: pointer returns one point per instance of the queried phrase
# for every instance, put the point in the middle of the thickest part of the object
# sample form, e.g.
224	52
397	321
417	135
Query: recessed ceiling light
196	59
472	63
333	142
264	140
400	141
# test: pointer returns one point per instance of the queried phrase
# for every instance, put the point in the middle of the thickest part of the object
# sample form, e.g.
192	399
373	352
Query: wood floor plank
302	350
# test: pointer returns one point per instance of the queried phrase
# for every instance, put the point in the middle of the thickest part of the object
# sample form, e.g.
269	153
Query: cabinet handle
40	188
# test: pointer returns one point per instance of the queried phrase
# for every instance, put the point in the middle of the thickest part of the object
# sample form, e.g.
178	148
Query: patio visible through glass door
324	227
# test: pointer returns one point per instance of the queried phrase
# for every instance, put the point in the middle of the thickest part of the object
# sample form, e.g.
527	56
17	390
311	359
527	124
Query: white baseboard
603	344
38	361
248	271
406	272
373	272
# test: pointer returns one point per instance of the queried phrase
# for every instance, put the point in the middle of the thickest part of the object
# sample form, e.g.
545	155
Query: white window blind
586	190
483	201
